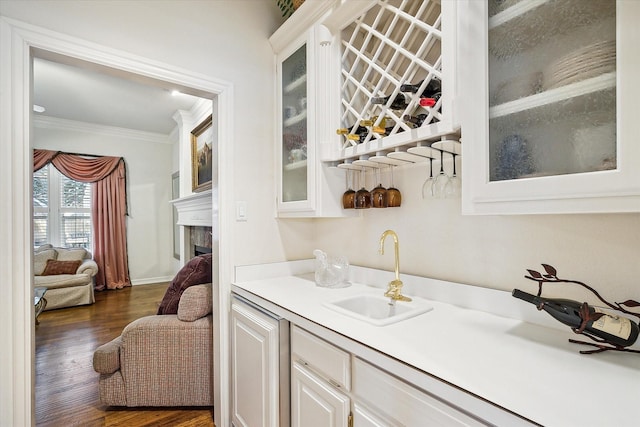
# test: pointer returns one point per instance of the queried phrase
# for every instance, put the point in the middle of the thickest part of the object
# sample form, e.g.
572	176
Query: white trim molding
19	42
55	123
195	209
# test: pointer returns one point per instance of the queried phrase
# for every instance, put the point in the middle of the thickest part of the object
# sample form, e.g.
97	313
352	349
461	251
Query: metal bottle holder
551	276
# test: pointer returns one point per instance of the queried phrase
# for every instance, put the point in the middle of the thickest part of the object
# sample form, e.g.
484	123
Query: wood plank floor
66	391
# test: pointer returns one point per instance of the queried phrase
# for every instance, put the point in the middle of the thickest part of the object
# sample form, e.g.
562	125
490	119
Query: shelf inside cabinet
555	100
292	121
528	23
296	84
293	166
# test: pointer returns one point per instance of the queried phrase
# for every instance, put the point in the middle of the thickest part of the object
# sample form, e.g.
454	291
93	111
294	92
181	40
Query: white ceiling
97	95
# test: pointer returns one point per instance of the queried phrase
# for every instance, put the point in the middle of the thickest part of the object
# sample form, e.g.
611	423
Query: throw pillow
73	254
40	260
196	272
195	302
60	267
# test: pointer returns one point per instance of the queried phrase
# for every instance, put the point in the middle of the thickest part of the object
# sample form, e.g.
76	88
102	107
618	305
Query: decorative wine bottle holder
551	276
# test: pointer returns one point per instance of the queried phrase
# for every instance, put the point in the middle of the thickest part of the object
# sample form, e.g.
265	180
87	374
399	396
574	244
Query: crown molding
300	21
48	122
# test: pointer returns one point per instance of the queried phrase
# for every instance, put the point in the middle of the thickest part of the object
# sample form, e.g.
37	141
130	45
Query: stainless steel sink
378	310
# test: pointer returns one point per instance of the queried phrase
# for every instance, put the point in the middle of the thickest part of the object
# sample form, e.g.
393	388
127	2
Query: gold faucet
394	291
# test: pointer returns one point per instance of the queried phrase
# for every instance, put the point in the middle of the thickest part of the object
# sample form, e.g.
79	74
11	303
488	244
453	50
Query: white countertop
529	369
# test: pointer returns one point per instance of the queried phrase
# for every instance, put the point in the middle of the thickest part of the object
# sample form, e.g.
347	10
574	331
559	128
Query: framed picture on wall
202	155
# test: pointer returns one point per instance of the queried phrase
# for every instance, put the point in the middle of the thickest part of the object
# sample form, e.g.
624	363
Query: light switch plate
241	211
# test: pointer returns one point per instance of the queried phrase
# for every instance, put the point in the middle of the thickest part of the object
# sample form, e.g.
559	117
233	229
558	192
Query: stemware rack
394	42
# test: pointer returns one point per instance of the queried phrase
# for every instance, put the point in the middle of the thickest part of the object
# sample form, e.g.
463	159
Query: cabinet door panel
364	417
547	93
255	371
403	402
326	359
315	403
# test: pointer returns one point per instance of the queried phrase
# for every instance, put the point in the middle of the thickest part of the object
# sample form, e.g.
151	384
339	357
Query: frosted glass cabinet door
549	94
552	87
294	126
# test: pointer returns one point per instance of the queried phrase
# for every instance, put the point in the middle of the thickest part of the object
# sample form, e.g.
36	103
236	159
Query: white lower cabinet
320	382
315	402
397	403
366	417
259	381
330	387
327	386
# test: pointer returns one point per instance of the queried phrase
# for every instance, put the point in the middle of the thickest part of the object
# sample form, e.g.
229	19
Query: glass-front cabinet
295	120
307	74
549	95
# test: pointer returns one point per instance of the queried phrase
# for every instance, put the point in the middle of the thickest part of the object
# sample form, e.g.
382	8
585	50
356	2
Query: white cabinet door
365	417
398	401
305	71
549	94
314	403
255	371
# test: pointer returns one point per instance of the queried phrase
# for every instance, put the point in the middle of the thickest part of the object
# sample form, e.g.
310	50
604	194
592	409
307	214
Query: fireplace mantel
195	209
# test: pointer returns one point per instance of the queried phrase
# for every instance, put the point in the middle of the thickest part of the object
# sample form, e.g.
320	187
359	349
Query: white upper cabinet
548	95
333	59
306	71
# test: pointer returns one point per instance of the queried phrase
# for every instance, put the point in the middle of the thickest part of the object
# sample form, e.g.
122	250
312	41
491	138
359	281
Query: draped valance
107	176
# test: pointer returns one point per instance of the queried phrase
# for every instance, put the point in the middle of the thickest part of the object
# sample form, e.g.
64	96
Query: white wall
149	224
491	251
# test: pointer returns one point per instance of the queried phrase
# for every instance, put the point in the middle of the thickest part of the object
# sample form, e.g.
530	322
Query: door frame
19	44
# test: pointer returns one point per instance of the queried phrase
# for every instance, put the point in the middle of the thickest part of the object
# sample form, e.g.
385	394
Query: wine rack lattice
393	43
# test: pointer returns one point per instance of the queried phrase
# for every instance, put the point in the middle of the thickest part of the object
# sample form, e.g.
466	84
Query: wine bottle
429	96
416	120
399	102
434	86
359	134
616	330
430	101
372	120
385	131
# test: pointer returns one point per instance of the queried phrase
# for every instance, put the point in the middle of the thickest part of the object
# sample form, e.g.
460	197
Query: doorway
20	44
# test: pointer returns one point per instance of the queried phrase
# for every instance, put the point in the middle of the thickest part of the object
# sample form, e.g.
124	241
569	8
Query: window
61	210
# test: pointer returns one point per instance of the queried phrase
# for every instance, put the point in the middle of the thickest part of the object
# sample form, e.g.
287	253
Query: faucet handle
394	291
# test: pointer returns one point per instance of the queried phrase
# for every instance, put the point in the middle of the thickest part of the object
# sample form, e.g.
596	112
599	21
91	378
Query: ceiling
99	95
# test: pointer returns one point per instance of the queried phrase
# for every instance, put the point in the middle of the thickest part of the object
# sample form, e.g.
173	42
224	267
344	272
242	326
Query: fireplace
200	250
195	213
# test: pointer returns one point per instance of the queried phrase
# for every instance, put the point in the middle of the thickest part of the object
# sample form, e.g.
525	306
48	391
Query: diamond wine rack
395	43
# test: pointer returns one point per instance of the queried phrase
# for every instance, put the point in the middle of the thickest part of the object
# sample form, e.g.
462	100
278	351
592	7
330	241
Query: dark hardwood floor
66	392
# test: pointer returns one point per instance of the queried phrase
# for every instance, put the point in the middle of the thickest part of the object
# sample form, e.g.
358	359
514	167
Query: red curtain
108	210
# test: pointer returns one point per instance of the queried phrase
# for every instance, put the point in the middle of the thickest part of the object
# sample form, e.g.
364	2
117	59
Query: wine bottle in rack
399	102
616	330
370	122
386	131
359	134
430	101
417	121
433	87
429	96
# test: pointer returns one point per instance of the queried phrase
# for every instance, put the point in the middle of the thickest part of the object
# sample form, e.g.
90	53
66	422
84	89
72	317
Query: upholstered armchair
164	359
67	273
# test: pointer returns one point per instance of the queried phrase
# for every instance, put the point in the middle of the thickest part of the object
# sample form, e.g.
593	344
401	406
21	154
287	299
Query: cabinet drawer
403	403
321	357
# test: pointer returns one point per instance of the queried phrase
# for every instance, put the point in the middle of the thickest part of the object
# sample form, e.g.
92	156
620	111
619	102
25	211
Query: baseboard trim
150	280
